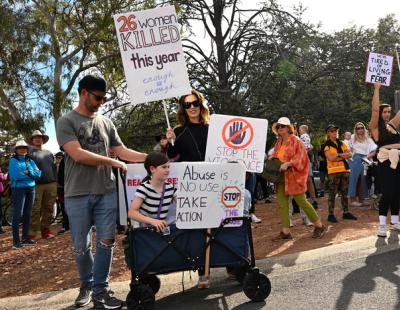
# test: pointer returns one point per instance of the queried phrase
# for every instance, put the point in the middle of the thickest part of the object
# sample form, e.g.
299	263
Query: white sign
208	193
233	138
152	55
224	186
379	69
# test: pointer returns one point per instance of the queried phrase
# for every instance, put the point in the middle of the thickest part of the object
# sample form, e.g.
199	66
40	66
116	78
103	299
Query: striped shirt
151	199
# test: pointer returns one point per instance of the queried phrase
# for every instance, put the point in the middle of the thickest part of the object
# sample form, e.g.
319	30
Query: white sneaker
255	219
356	204
203	283
396	227
307	222
382	231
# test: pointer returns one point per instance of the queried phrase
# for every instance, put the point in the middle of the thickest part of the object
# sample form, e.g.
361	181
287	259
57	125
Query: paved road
360	274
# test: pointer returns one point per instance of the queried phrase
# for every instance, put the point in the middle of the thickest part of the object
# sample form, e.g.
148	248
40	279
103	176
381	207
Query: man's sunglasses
97	97
279	126
187	105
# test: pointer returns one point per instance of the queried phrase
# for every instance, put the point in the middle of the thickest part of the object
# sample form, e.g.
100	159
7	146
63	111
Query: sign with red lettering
152	54
233	138
379	69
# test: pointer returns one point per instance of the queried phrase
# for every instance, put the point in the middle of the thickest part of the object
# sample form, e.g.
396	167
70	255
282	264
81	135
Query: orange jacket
296	153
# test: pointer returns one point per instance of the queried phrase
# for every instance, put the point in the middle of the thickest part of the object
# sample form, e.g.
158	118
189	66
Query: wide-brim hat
20	143
282	121
39	133
330	126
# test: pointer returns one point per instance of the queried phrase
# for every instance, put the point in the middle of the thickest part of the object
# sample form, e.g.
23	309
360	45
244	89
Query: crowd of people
81	178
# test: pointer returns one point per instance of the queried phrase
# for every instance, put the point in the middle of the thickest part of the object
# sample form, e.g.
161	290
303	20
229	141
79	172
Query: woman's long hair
364	136
181	115
381	123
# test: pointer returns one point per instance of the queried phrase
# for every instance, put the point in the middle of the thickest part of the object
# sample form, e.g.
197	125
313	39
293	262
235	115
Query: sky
333	16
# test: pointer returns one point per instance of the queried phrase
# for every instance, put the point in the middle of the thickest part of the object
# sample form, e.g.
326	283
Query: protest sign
208	193
379	69
152	54
223	191
241	139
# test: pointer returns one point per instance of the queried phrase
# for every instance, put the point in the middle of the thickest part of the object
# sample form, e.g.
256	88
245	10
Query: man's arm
129	155
74	149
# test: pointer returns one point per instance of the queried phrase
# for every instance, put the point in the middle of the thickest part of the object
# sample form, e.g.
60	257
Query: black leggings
389	180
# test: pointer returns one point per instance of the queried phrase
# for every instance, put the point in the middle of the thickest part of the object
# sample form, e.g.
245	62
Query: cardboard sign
241	139
223	192
379	69
152	54
209	193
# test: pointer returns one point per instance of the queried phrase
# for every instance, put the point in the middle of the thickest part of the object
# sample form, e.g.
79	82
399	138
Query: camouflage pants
338	183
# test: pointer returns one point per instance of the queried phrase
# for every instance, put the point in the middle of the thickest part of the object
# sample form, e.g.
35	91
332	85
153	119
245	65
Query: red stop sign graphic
231	196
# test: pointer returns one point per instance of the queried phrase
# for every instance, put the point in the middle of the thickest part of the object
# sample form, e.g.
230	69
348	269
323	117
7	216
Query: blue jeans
84	212
22	200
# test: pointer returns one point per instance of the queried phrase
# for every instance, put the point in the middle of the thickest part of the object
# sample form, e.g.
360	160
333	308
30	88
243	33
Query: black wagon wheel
256	285
140	297
152	281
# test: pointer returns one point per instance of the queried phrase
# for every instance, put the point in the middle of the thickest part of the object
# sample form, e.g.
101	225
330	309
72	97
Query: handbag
272	171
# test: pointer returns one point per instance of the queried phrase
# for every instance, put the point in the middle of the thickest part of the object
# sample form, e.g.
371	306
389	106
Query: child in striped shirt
154	195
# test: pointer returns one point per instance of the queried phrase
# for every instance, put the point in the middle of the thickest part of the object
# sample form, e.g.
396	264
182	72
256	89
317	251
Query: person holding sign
383	130
154	196
292	153
90	189
188	140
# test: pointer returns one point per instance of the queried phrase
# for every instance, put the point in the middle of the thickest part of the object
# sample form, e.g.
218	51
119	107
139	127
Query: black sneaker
106	300
28	242
349	216
84	297
315	204
332	218
17	245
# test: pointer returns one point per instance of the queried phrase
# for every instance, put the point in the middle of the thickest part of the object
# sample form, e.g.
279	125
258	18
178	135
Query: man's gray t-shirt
44	159
95	134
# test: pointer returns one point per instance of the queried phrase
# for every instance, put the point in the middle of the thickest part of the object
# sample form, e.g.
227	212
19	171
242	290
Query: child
154	196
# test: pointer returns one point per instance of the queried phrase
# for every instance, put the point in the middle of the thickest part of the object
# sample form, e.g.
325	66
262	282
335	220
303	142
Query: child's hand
159	224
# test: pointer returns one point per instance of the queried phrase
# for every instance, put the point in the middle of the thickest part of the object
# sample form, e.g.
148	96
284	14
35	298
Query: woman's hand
170	135
159	224
285	166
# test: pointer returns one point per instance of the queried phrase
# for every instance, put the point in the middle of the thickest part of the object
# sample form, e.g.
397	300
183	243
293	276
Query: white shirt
363	148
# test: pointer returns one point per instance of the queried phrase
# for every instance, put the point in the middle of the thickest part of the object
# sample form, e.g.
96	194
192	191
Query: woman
388	140
337	153
22	172
361	146
3	177
295	164
188	141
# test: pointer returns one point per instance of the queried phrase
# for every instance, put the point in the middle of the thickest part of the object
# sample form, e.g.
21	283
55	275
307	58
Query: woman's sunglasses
187	105
279	126
360	128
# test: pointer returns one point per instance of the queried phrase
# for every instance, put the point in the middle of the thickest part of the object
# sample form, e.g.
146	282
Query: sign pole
207	258
166	116
397	56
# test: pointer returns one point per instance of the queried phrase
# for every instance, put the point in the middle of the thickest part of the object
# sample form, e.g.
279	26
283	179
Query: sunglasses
360	128
279	126
97	97
187	105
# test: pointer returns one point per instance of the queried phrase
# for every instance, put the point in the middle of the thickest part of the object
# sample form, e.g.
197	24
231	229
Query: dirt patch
50	266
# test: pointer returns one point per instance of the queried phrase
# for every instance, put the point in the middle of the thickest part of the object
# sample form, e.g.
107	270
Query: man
90	195
46	187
